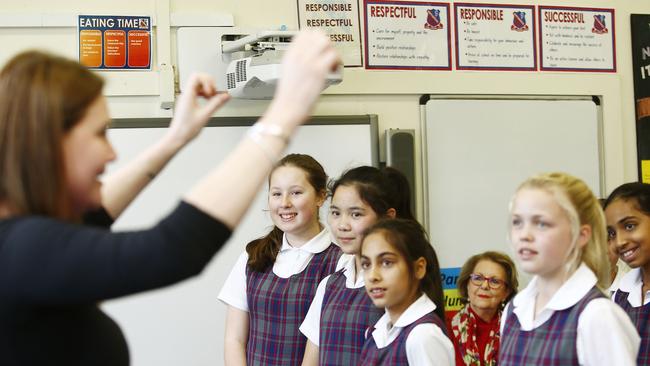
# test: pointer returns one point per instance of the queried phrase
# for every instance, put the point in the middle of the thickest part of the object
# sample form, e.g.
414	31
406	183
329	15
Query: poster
407	35
340	20
114	42
641	76
453	301
577	39
495	37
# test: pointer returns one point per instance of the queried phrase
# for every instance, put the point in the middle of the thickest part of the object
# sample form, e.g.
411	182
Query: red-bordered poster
577	39
495	37
407	35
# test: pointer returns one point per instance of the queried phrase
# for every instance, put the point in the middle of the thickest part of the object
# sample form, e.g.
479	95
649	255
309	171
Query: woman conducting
58	257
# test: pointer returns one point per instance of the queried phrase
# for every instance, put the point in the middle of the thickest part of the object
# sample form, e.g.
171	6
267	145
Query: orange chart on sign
114	48
90	48
139	48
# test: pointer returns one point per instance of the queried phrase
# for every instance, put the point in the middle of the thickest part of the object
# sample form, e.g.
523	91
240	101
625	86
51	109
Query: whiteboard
184	324
477	152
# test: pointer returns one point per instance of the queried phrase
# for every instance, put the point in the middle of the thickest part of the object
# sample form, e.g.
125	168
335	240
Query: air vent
230	80
241	70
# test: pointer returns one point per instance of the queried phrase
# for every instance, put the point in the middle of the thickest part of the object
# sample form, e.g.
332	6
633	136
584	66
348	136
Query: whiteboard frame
368	119
424	99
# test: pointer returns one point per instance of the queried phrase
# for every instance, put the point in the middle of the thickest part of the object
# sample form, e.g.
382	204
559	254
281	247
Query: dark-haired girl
402	275
272	284
627	210
341	310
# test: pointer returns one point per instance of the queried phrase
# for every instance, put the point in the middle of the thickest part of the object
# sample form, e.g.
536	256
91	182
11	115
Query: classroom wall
392	95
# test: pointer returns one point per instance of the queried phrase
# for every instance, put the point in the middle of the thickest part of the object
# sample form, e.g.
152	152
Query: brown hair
512	282
263	251
42	97
411	241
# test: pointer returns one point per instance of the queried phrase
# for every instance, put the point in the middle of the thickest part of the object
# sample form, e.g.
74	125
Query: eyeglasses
493	282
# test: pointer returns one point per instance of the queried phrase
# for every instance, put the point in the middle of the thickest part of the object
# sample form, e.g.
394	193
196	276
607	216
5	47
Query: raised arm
227	191
121	187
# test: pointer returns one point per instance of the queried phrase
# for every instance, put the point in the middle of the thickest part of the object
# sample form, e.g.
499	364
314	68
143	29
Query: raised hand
307	62
189	115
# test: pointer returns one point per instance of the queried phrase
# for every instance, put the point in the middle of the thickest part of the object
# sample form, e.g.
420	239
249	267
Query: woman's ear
391	213
420	268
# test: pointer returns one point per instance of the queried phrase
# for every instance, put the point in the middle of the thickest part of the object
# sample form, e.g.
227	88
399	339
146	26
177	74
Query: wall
393	95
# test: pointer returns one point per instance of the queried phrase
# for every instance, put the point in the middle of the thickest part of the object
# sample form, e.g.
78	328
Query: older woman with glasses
486	283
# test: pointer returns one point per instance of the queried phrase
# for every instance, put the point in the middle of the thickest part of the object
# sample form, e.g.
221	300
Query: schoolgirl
341	310
562	317
627	211
272	284
402	275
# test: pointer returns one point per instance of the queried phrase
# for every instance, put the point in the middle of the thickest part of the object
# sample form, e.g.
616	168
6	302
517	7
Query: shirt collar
574	289
384	335
315	245
421	307
632	281
347	264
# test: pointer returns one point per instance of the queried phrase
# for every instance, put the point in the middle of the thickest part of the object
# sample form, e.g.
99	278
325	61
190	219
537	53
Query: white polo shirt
290	261
606	335
310	327
427	344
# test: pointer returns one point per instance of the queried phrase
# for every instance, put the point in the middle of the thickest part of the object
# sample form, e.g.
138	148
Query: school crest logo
433	20
599	25
519	21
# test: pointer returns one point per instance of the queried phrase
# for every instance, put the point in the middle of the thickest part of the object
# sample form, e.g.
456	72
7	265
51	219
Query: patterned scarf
464	325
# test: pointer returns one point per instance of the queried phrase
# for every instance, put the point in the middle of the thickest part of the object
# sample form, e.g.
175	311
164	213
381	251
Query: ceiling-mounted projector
254	68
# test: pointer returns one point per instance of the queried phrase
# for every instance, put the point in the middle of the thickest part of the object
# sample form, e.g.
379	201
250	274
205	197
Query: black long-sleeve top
52	274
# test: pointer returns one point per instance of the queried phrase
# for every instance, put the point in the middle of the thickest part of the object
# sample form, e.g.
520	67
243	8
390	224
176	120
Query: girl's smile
628	230
294	204
348	218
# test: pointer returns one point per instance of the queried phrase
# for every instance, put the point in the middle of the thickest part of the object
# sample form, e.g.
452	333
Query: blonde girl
562	317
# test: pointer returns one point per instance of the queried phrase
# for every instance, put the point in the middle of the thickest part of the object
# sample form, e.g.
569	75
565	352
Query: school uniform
417	338
578	326
628	296
339	315
278	298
